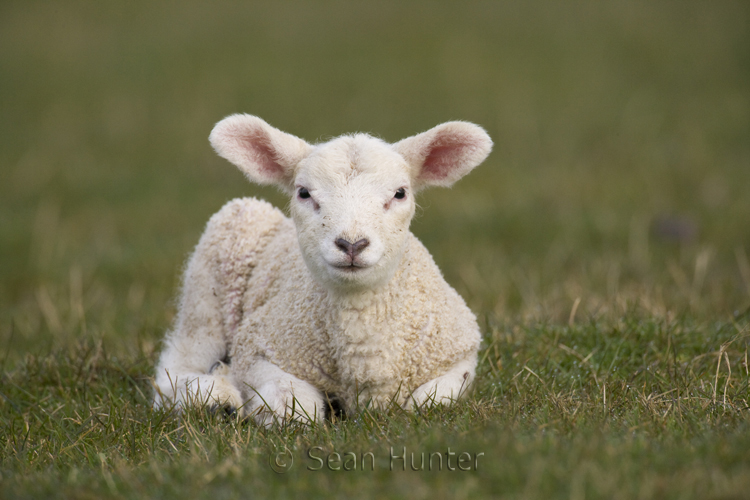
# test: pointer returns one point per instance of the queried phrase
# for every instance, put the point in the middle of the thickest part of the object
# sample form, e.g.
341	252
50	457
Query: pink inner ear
446	154
259	146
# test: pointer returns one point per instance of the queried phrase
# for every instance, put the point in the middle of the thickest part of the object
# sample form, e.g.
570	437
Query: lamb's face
353	197
352	203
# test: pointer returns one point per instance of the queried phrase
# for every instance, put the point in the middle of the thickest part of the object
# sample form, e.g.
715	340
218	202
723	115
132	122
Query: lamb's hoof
334	408
220	367
224	410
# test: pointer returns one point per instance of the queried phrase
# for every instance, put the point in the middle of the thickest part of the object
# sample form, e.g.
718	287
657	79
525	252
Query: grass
604	244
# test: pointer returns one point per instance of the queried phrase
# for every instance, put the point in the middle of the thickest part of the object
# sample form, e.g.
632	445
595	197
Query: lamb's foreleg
190	371
192	374
274	395
446	388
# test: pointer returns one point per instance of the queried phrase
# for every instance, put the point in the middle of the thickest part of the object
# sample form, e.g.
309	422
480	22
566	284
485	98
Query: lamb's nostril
359	246
344	245
352	249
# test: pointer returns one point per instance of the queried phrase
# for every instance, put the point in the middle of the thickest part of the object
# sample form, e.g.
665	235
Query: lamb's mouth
350	268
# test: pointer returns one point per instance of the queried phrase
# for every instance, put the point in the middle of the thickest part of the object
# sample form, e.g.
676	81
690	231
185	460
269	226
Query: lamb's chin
353	278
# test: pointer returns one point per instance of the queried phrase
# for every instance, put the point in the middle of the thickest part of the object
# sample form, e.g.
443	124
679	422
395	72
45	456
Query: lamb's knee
192	390
223	394
445	389
279	401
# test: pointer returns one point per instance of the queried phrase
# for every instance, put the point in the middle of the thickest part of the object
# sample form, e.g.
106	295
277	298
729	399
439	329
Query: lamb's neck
364	342
356	301
364	338
361	317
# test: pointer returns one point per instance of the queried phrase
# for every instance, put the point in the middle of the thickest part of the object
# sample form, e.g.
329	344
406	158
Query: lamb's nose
352	249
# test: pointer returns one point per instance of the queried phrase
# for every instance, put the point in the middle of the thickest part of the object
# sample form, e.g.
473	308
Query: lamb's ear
265	154
444	154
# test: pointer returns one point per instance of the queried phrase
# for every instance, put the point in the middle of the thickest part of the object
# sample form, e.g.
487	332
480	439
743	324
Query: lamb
279	318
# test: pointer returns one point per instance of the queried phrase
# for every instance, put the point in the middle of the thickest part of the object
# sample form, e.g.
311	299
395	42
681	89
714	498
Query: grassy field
604	245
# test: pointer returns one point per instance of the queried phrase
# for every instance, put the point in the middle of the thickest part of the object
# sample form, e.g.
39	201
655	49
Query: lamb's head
352	198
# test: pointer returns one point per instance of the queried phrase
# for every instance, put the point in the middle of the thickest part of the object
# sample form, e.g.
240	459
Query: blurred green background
620	173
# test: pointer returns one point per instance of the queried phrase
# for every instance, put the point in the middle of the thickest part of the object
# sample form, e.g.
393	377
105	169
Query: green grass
604	245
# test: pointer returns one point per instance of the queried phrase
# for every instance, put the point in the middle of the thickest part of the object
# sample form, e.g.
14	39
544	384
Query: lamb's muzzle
352	249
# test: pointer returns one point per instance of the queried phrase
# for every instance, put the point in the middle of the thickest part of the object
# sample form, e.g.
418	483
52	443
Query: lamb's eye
303	193
400	194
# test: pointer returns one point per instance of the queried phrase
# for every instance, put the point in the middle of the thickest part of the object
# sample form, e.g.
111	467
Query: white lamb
280	317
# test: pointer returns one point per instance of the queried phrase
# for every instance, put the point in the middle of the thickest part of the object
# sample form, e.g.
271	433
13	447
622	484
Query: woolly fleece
248	296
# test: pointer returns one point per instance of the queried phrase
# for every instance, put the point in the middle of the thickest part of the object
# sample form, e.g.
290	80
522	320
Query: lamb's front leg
274	396
446	388
190	373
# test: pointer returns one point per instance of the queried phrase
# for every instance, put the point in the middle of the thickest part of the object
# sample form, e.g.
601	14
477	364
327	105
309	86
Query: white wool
339	301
